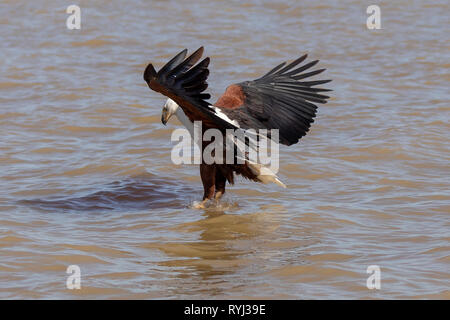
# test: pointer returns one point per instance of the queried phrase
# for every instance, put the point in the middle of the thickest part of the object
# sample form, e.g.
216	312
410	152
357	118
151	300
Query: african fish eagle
281	99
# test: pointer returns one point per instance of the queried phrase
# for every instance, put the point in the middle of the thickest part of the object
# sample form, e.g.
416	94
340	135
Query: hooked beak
165	116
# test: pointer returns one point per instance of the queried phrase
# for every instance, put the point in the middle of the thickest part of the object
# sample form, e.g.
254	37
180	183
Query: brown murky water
86	175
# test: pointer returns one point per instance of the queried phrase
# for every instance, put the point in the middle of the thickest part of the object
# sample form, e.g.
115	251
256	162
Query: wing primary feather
314	83
305	118
309	74
204	96
292	64
273	70
172	64
196	78
198	87
302	68
314	89
308	110
187	63
305	95
194	71
302	85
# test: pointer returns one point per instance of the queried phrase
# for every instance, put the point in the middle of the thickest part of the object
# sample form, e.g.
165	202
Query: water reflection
226	244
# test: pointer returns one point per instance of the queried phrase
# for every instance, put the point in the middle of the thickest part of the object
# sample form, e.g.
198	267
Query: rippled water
86	175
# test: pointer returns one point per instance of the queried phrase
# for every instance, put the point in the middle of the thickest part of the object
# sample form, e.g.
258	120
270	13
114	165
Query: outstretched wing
280	99
184	81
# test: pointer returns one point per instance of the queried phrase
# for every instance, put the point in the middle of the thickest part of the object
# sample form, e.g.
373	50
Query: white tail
264	174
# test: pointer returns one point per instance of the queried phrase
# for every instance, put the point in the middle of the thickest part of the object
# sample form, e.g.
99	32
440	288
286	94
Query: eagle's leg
220	184
208	175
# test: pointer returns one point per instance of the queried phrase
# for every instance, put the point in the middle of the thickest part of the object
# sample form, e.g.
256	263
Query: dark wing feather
277	100
184	81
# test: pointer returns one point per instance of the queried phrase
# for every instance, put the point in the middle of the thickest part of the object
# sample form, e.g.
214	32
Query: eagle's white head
169	109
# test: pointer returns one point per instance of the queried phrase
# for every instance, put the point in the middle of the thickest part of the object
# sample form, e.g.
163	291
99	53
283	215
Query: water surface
86	175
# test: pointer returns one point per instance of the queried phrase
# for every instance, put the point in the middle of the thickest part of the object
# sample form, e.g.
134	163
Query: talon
200	205
218	195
